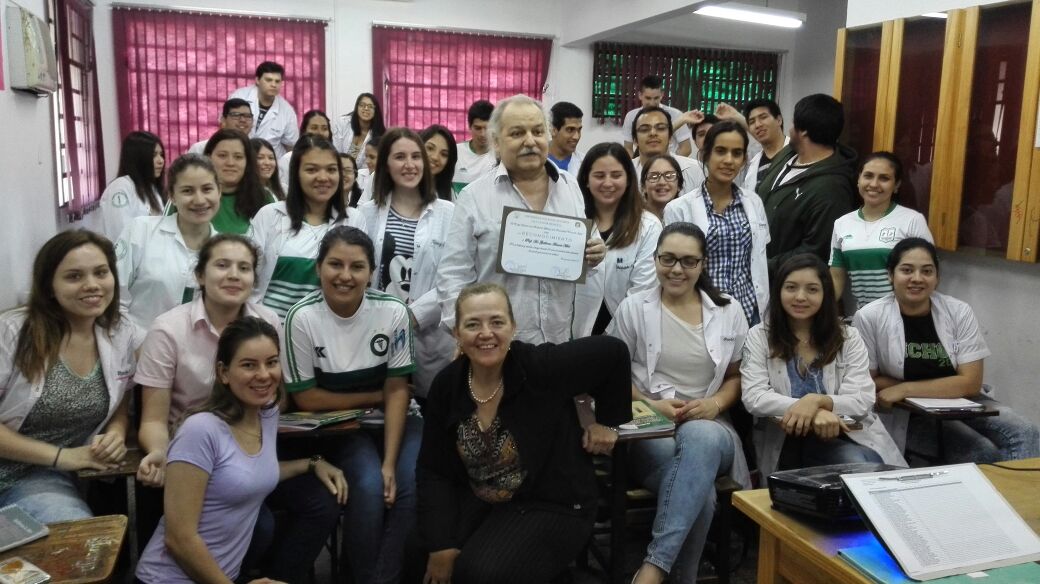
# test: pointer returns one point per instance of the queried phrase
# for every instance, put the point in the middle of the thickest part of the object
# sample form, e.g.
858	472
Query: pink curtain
81	113
426	77
174	70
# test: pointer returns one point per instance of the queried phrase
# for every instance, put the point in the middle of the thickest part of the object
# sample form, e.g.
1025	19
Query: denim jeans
374	534
682	471
811	451
48	495
1008	436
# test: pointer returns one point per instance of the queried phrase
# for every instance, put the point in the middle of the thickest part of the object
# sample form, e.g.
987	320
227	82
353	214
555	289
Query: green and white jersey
471	166
288	260
346	355
862	247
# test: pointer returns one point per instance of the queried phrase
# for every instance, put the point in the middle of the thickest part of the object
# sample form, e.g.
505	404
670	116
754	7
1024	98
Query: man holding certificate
537	254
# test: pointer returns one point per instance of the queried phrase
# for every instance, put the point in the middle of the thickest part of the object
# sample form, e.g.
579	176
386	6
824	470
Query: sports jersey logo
319	352
379	345
400	338
887	235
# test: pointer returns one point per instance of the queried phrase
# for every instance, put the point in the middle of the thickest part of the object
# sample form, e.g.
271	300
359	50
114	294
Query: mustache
527	151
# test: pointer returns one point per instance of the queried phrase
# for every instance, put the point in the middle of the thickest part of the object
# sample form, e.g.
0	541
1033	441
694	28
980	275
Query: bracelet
56	455
312	463
615	429
716	402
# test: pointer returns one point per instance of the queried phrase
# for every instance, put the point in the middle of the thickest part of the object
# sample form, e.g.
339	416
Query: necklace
490	397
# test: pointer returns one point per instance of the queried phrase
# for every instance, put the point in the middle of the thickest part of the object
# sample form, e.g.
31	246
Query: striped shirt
395	275
861	247
729	252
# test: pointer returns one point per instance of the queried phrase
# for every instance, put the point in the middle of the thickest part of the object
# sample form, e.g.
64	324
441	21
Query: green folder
877	564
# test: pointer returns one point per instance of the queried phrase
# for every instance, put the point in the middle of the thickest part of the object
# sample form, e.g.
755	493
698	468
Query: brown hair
39	339
482	288
383	185
629	215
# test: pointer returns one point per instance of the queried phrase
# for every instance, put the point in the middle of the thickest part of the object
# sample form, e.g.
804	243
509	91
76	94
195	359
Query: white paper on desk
944	403
943	520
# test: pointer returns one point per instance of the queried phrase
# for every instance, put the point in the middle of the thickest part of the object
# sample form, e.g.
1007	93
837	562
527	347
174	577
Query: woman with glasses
662	181
355	129
692	379
608	182
733	219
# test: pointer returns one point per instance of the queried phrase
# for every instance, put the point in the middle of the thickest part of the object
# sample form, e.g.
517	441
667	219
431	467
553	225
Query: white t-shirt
346	355
681	135
471	166
684	362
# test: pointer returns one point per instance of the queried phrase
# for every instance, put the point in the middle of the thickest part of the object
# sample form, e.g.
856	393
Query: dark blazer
537	407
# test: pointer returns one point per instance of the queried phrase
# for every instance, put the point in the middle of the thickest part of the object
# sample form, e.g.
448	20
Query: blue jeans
811	451
374	534
1008	436
48	495
682	471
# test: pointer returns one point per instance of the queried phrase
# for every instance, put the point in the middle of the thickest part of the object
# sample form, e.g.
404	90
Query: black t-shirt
263	112
763	167
926	358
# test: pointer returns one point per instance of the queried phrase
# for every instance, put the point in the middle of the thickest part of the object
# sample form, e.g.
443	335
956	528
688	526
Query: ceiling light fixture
935	15
754	14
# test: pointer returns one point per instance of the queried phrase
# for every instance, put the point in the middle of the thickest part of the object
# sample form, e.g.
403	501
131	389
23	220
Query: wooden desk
800	552
127	470
77	552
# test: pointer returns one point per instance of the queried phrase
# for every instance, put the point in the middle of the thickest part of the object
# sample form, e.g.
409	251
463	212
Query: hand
692	117
440	566
595	251
108	447
80	458
333	479
700	409
799	417
668	408
598	439
389	486
889	396
725	111
152	470
827	425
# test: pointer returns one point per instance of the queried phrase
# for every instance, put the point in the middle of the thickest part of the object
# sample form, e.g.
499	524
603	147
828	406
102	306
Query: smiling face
239	118
319	178
877	183
484	329
195	195
764	127
914	280
726	158
568	136
678	281
437	153
801	294
83	283
366	109
523	143
405	164
227	278
229	158
265	163
663	190
652	133
607	181
158	161
344	274
254	372
318	126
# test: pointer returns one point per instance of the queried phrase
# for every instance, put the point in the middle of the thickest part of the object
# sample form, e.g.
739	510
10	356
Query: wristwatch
313	462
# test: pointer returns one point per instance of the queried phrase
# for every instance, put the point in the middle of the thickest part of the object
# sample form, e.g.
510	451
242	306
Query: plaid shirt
729	252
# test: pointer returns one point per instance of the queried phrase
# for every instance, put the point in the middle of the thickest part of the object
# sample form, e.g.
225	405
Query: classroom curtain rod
216	12
472	31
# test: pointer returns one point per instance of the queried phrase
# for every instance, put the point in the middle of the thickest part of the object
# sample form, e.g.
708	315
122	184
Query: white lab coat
638	323
545	307
880	323
692	172
343	135
18	395
622	272
279	126
283	171
120	205
690	207
767	393
433	344
156	268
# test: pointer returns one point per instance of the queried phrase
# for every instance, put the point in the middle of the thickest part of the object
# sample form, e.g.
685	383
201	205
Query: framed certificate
543	245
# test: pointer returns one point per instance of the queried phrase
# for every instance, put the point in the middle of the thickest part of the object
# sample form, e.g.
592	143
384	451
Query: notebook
18	527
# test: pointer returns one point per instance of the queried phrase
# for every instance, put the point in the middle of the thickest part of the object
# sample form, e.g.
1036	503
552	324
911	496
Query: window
424	77
174	70
80	155
693	77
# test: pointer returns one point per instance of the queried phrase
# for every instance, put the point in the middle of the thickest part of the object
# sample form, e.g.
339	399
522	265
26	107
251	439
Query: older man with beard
527	180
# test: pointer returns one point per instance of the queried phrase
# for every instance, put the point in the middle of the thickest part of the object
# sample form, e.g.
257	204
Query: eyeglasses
240	115
366	106
688	262
669	176
645	128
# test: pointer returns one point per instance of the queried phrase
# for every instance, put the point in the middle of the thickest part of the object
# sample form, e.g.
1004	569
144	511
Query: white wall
1002	293
28	189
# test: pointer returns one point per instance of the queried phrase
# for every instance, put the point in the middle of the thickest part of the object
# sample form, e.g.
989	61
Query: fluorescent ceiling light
754	14
935	15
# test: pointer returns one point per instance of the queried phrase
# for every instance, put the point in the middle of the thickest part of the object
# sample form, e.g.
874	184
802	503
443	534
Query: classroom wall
1002	293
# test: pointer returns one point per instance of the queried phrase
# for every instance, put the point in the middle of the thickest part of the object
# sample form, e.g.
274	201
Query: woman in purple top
222	464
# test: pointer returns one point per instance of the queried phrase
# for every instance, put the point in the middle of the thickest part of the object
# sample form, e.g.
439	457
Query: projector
818	491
